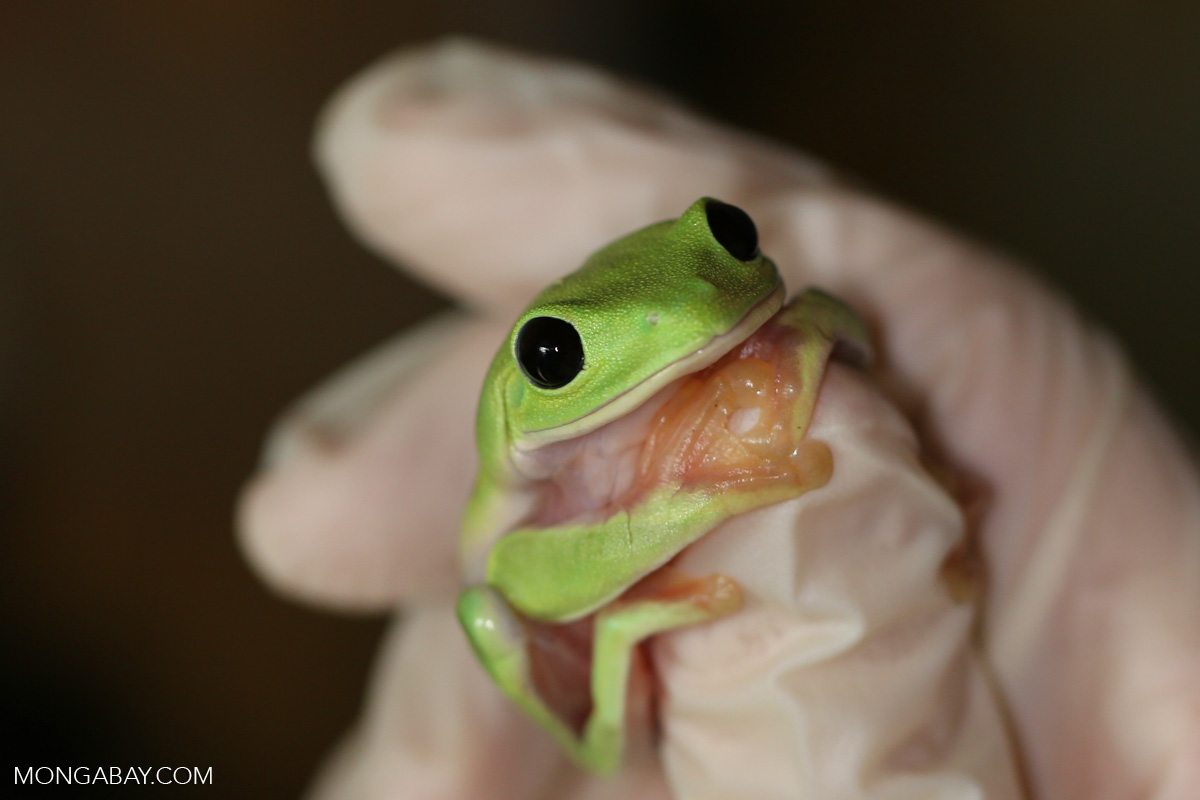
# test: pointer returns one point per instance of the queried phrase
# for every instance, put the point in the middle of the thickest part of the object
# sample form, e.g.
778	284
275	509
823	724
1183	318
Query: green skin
658	304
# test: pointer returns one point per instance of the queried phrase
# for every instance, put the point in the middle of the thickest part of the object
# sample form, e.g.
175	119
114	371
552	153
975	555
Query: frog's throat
636	395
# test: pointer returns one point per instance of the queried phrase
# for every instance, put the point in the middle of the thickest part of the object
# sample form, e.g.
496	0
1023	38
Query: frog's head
659	303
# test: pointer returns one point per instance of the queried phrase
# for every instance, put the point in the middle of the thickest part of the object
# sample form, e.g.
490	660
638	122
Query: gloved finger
491	173
364	478
435	726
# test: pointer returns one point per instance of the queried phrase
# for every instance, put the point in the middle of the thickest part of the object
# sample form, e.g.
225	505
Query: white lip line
693	362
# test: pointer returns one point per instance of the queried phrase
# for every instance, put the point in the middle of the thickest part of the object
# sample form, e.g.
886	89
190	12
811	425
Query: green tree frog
636	404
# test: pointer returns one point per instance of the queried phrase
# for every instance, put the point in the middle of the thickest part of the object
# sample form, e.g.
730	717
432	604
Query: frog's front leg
663	602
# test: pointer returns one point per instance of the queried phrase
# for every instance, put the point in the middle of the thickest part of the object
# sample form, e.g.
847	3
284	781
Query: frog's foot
831	329
834	321
537	664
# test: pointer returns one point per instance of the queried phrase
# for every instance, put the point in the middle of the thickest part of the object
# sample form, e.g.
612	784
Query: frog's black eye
549	352
733	229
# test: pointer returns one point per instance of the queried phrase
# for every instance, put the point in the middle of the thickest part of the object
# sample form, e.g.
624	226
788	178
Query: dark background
171	274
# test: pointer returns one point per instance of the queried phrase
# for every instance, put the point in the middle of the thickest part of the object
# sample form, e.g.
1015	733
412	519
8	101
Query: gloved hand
851	672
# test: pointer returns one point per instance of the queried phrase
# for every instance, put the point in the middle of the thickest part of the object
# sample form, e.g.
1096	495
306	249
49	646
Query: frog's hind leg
675	602
501	641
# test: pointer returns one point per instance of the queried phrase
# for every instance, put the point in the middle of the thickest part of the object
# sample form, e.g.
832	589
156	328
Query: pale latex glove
849	672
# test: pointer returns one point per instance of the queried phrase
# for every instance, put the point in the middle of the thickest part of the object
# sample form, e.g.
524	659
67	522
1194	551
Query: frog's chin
638	395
